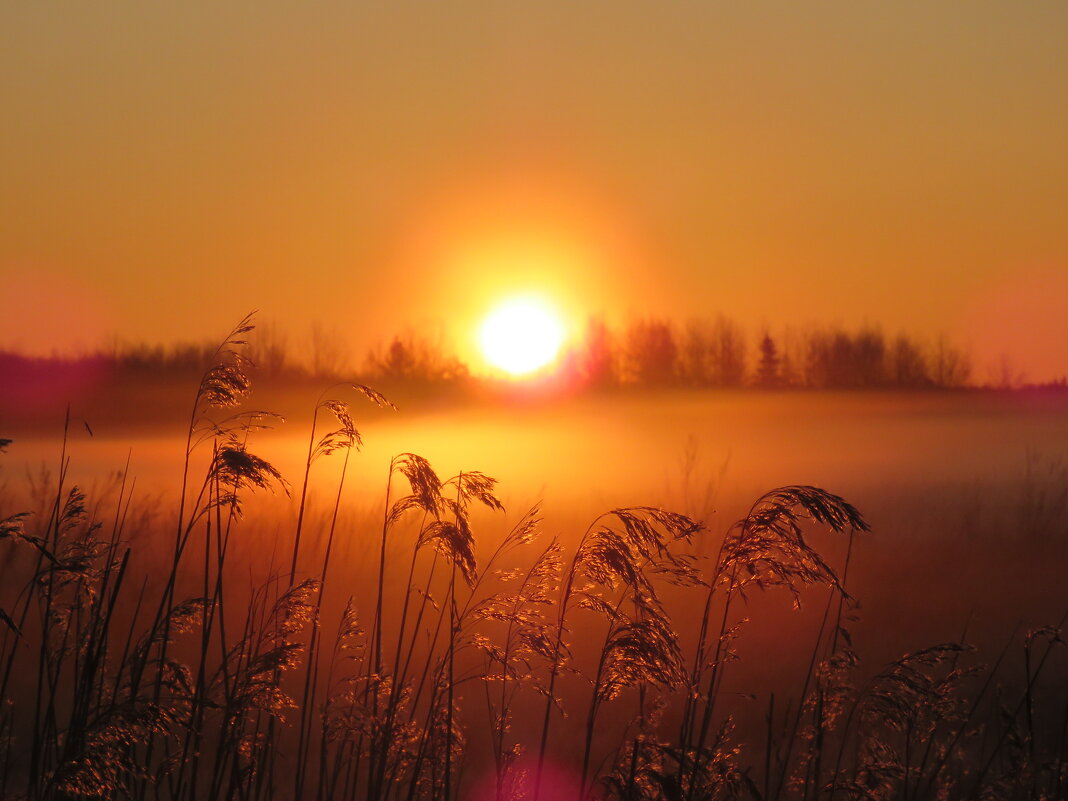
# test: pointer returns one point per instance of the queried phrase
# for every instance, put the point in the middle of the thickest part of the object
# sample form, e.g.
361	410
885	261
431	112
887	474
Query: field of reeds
238	641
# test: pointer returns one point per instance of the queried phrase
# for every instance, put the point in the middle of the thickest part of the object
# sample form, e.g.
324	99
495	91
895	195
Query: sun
522	335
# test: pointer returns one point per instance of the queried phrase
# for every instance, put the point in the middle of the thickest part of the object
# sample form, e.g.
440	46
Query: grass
582	666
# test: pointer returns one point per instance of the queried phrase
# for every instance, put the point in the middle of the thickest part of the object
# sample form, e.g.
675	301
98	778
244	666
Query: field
274	632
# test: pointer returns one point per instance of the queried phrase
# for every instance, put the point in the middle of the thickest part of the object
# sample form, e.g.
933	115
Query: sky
369	167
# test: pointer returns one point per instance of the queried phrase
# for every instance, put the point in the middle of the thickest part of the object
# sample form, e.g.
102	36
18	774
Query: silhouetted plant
118	682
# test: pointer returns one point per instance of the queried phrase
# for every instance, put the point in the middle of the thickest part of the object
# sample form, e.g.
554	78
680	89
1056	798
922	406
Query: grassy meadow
663	594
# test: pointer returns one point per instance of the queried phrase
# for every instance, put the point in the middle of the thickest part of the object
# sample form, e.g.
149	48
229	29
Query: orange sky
165	167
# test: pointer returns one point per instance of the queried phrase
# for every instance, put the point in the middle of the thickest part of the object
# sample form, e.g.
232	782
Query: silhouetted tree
819	360
712	354
907	368
414	359
839	359
869	358
950	365
650	352
596	357
399	360
695	355
268	349
768	367
728	353
326	353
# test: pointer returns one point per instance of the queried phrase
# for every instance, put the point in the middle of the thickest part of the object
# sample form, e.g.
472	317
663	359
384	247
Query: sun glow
522	335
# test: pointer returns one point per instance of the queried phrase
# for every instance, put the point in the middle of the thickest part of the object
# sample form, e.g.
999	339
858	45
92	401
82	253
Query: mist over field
966	494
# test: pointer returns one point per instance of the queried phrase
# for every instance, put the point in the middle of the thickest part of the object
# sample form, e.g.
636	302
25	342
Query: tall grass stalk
210	677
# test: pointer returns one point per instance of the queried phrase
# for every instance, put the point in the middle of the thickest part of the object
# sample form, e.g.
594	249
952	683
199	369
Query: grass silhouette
215	679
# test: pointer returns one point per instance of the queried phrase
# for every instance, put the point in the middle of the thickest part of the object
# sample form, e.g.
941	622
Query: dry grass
465	668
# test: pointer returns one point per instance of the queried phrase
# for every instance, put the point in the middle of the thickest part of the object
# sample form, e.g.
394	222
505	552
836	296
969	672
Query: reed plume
199	681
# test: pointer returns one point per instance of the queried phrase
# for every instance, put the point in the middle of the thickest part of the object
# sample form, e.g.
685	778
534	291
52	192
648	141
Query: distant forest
648	352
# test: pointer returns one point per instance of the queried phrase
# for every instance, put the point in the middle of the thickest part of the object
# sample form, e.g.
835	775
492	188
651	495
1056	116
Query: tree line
653	352
714	352
720	353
